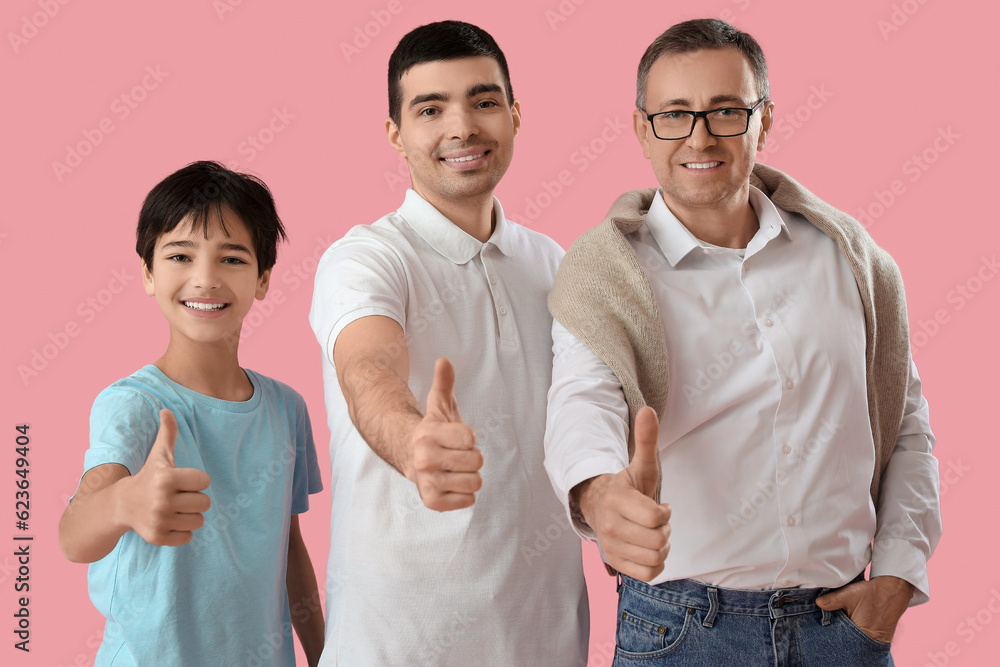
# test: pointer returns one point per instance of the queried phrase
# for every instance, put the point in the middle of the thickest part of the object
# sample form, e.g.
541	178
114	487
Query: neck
728	227
211	369
473	215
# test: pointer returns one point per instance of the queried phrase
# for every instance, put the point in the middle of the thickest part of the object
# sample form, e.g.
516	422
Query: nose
462	124
700	139
206	275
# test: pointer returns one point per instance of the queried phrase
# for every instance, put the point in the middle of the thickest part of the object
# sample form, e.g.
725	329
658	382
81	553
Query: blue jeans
688	623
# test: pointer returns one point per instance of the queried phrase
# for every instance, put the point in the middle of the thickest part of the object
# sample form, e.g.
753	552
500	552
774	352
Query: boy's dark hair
194	191
444	40
697	35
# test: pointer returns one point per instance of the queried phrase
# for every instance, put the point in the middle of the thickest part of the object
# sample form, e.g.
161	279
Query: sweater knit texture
603	296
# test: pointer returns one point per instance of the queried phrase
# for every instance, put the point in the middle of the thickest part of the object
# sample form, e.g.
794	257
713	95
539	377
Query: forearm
303	599
909	511
93	522
383	409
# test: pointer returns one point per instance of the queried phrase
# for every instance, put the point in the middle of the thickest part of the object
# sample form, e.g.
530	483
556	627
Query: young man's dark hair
696	35
193	191
444	40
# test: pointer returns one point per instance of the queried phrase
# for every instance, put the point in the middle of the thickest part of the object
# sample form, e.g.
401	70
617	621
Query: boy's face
205	286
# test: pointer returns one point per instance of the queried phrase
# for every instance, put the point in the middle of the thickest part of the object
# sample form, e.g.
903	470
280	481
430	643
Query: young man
768	332
197	468
448	546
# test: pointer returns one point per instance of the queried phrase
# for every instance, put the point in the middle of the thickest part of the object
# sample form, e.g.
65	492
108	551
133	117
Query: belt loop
713	607
618	587
827	615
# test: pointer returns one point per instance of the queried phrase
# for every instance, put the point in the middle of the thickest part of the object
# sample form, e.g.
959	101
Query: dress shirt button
789	384
786	449
493	280
768	321
791	521
503	310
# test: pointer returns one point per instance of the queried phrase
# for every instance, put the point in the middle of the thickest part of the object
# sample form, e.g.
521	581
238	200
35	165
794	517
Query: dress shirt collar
676	240
445	236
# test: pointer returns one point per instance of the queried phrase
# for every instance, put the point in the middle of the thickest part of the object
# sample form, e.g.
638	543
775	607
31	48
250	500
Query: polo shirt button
786	449
493	280
503	310
791	521
768	321
789	384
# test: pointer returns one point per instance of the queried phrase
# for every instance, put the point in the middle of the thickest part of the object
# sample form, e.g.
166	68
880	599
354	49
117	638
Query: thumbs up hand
633	530
163	503
445	461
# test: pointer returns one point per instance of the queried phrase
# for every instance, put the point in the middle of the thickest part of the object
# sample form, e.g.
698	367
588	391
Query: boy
197	468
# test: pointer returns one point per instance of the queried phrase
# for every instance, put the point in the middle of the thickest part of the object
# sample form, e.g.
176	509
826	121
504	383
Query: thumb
644	468
163	447
832	600
441	404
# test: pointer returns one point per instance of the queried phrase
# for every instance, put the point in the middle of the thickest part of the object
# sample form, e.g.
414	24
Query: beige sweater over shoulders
603	297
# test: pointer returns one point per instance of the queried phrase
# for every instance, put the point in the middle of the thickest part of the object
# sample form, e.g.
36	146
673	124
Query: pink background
862	87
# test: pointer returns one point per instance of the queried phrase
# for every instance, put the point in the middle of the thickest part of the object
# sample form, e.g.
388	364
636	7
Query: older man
768	333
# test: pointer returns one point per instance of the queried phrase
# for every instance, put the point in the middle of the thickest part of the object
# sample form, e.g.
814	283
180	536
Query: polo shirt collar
446	237
676	240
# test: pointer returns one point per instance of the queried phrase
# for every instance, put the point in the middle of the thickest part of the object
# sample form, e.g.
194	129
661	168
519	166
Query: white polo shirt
498	583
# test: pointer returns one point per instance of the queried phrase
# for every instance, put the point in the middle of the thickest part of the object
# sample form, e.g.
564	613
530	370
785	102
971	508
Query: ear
263	282
515	111
147	279
766	119
392	134
643	132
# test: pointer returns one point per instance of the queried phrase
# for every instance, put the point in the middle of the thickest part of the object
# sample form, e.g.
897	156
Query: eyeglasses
723	122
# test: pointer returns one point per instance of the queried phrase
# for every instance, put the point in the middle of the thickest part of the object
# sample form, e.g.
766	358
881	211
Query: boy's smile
205	279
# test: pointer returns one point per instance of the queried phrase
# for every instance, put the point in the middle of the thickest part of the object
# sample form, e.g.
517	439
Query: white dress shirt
765	441
498	583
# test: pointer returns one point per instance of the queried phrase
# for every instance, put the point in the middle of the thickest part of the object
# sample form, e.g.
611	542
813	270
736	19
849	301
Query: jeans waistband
773	603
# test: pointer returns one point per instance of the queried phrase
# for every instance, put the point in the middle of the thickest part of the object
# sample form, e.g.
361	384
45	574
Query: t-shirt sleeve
359	276
123	427
307	479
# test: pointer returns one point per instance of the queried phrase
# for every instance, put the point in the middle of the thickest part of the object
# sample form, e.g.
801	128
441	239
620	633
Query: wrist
586	496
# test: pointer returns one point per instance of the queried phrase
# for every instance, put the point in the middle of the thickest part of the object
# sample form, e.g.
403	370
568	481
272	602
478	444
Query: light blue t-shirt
221	599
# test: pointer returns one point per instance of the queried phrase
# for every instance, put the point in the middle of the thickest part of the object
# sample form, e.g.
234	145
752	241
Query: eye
725	112
487	104
178	258
428	112
234	261
674	115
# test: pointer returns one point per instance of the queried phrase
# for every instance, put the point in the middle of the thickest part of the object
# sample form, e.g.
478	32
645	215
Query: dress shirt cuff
900	558
581	472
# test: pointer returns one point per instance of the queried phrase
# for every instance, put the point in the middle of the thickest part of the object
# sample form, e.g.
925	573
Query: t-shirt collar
446	237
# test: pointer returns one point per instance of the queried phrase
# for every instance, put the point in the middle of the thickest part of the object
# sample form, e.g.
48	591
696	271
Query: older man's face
703	173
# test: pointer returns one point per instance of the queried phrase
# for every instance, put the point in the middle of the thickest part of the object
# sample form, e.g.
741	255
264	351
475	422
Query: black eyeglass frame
695	115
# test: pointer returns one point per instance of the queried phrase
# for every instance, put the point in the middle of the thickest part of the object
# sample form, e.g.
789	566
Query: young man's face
703	172
205	286
457	128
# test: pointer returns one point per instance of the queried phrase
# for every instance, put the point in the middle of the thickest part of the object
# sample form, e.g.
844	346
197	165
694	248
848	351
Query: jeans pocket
875	643
647	625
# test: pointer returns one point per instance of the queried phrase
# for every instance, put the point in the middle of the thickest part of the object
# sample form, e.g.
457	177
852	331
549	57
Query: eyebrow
475	90
237	247
718	99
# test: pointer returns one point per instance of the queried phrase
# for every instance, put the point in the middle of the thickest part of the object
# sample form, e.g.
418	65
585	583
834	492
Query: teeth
467	158
702	165
204	306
